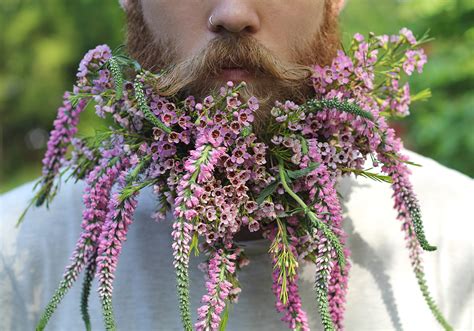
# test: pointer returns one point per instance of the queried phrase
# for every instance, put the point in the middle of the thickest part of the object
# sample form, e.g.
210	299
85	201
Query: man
268	43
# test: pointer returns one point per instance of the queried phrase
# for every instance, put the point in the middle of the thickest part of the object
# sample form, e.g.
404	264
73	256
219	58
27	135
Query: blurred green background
42	42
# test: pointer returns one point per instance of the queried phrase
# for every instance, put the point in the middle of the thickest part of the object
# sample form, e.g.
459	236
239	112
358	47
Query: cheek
178	21
289	24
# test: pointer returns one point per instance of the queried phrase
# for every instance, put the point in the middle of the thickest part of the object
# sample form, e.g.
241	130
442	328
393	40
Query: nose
234	16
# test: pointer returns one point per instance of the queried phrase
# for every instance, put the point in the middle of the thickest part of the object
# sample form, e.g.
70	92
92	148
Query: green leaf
370	175
194	244
304	145
266	192
225	318
294	174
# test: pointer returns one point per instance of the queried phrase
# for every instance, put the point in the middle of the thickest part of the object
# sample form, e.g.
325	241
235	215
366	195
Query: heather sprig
183	226
97	192
221	271
113	234
285	260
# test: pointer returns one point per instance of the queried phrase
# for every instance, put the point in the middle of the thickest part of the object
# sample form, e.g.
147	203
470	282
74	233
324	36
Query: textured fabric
383	293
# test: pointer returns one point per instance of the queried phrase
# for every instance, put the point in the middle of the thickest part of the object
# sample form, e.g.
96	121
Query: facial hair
274	79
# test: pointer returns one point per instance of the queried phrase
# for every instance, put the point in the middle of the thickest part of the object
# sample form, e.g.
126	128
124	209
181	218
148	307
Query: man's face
267	43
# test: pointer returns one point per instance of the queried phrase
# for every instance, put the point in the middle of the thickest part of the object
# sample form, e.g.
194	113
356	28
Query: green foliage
42	42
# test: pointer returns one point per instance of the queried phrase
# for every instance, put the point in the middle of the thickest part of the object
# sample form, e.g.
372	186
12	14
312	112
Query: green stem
328	233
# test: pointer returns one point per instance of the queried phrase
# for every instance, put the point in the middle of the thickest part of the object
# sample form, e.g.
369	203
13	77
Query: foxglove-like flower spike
182	226
117	76
86	289
221	265
96	197
323	271
415	215
113	234
65	127
405	199
415	254
143	105
404	204
341	105
182	236
329	211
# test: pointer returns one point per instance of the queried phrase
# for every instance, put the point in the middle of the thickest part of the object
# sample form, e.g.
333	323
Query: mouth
235	74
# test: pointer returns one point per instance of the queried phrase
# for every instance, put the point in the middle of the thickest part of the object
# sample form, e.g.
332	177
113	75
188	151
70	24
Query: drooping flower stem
313	218
414	248
406	201
113	234
183	227
408	212
181	261
53	304
86	289
323	271
415	215
420	276
97	193
221	268
65	127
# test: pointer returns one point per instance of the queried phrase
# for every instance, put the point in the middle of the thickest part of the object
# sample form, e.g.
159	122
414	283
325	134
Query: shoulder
38	221
444	195
435	178
34	251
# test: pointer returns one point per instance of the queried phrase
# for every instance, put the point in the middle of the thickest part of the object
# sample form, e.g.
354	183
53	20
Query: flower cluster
221	267
205	163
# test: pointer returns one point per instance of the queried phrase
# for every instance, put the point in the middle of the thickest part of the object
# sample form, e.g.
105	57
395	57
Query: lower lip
235	75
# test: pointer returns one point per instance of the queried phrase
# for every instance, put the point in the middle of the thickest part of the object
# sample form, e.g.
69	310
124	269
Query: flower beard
206	164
